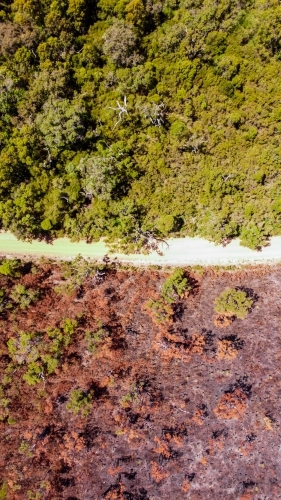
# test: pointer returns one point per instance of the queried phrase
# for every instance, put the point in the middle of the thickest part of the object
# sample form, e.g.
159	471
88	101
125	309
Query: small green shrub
38	355
4	403
23	296
80	401
95	338
25	449
23	348
10	267
69	326
61	337
65	289
175	287
233	302
25	351
34	373
50	362
161	311
129	398
34	496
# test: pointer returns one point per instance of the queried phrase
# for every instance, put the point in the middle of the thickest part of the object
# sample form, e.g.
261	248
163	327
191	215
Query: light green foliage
130	397
80	402
61	124
10	267
139	120
25	449
34	270
4	405
69	326
161	311
23	348
61	337
93	339
23	296
4	491
33	374
175	286
233	302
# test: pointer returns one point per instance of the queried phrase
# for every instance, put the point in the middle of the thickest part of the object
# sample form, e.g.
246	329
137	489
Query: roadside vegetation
176	287
140	120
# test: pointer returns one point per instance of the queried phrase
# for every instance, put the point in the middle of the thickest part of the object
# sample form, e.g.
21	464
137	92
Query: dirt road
180	251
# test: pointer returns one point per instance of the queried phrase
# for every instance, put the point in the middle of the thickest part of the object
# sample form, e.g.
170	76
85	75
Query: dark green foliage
232	302
140	120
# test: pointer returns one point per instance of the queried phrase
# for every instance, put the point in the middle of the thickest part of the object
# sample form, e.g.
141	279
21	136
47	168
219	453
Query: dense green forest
140	119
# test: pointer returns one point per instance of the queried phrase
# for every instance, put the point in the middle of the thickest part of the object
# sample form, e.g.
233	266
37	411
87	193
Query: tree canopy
122	118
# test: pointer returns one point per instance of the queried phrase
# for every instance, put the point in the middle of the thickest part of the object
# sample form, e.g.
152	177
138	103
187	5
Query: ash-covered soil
180	410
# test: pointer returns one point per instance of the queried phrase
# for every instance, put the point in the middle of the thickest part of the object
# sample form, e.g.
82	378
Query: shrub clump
10	267
176	287
23	296
39	354
93	339
80	401
233	302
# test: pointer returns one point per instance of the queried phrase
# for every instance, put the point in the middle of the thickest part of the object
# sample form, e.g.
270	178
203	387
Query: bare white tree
155	113
158	115
122	108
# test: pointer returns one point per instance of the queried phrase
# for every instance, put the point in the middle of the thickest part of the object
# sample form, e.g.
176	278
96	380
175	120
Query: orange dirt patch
231	405
246	496
157	473
186	487
222	320
226	350
162	448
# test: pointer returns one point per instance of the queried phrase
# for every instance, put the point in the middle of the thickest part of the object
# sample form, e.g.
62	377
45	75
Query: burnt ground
180	410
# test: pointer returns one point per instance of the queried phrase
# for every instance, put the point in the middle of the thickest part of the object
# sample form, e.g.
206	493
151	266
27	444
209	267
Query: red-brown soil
180	410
